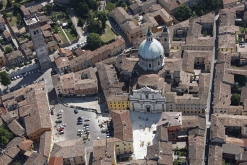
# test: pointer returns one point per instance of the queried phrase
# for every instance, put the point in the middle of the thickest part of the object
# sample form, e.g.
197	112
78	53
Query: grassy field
109	35
62	35
70	35
11	19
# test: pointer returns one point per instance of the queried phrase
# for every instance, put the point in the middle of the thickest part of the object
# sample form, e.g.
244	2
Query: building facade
38	41
147	100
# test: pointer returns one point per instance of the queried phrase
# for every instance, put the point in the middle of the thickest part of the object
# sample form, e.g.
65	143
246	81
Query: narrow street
209	109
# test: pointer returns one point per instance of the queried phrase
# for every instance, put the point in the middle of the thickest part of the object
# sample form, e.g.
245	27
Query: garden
59	16
108	35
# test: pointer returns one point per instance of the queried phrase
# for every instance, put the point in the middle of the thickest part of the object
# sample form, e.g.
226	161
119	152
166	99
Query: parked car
80	117
59	117
20	75
64	125
79	122
58	121
87	119
17	77
75	111
52	112
61	132
86	124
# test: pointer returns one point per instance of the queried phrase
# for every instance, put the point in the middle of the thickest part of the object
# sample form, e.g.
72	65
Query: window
146	96
158	63
153	96
165	39
149	65
117	145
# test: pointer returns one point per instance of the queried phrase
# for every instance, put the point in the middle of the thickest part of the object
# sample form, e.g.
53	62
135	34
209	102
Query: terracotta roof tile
25	145
122	125
45	143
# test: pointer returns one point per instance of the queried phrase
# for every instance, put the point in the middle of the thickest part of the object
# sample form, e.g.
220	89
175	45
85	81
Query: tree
224	162
241	79
101	15
93	41
110	6
235	99
81	22
9	3
1	4
5	136
4	78
8	50
183	12
82	9
93	26
123	4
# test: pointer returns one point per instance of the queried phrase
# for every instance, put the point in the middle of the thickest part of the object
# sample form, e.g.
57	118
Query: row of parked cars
25	74
79	45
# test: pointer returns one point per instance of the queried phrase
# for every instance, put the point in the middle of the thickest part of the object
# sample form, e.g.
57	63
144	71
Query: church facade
147	100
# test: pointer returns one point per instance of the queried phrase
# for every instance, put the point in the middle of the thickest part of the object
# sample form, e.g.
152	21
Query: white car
64	125
17	77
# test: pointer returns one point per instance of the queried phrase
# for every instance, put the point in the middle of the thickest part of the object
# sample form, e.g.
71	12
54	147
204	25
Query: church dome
150	49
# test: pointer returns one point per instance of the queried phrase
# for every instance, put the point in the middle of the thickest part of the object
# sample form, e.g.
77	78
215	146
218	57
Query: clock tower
38	42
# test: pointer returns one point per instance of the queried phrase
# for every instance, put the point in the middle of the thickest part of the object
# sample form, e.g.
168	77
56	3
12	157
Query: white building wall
147	100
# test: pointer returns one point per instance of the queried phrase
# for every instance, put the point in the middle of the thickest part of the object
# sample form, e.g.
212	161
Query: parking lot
29	79
71	128
86	102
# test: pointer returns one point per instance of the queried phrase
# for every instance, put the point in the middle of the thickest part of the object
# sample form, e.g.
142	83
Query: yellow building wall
123	147
232	50
118	105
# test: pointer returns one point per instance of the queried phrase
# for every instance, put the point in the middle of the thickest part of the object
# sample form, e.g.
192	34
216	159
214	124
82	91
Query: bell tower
38	42
165	41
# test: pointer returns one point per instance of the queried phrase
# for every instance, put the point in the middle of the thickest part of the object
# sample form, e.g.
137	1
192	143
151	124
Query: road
209	109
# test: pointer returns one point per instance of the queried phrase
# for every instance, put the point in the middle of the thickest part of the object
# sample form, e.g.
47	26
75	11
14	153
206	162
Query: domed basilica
151	53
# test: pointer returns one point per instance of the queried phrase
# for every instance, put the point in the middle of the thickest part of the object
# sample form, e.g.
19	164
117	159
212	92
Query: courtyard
143	125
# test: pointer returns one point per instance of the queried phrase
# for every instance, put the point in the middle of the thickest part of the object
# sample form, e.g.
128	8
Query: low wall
23	70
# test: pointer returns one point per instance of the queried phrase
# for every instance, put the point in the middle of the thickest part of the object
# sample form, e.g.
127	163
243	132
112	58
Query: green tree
110	6
1	5
92	4
183	12
102	17
82	9
224	162
8	50
93	25
5	136
123	4
17	163
241	79
4	78
17	8
93	41
235	99
81	22
9	3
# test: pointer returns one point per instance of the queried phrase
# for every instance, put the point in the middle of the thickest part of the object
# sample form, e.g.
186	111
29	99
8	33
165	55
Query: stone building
38	40
151	54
